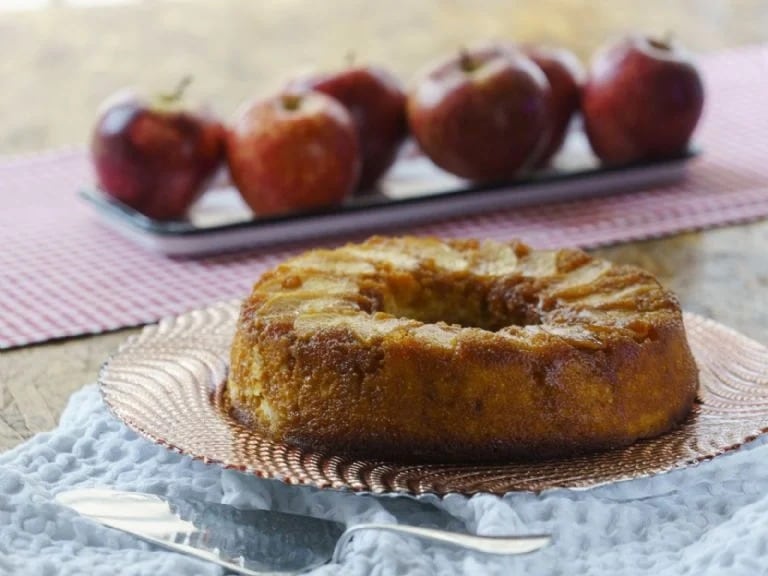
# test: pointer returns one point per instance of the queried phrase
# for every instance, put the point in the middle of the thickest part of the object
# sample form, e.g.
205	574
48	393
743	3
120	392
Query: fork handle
503	545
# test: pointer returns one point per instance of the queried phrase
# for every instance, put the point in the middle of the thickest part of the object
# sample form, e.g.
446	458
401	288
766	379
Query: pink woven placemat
62	273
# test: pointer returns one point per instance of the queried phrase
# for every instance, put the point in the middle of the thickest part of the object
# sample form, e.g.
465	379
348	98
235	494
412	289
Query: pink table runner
63	273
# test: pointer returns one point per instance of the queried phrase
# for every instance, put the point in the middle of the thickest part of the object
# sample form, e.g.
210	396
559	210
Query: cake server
255	542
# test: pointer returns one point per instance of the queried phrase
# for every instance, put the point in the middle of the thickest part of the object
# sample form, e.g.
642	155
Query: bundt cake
429	350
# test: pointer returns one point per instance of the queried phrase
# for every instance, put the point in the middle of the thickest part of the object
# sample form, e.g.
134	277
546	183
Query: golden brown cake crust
423	349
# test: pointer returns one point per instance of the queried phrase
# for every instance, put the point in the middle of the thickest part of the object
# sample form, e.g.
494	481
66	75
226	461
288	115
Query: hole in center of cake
467	302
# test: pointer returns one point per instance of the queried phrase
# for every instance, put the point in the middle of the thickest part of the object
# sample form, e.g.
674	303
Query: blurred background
62	58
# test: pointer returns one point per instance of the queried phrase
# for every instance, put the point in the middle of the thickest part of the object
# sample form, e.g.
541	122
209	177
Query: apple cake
430	350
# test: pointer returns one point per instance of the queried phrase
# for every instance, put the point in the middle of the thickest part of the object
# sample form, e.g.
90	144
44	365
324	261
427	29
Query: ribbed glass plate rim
163	384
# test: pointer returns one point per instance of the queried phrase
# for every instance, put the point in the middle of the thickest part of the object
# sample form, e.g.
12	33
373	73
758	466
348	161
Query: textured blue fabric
710	519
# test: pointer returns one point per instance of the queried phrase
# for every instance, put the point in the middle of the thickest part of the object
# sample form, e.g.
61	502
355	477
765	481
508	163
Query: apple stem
465	60
665	42
178	92
350	58
291	101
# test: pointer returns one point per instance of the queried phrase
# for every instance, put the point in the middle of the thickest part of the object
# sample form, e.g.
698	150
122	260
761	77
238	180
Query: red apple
482	114
376	102
566	77
642	100
294	151
155	157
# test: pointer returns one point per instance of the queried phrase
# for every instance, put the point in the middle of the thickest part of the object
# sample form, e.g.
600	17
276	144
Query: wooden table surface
60	62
